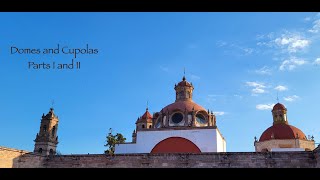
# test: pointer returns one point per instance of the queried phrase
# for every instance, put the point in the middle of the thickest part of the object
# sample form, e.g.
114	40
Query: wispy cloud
316	26
291	63
292	42
221	43
235	48
258	88
291	98
307	19
238	96
281	88
210	98
194	77
317	61
219	113
264	106
264	71
163	68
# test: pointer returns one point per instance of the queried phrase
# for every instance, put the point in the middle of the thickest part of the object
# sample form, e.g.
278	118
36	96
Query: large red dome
183	105
282	131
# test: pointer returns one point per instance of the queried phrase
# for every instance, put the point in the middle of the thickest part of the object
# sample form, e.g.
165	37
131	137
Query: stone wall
22	159
7	155
217	160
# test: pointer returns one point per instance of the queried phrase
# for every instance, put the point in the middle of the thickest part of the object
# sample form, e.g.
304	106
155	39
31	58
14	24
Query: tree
112	140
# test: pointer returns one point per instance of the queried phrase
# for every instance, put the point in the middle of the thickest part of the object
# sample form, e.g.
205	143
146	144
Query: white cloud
281	88
238	96
291	98
317	61
255	84
194	77
264	106
221	43
211	98
292	42
258	87
258	91
163	68
219	113
291	63
263	71
316	27
234	48
247	51
307	19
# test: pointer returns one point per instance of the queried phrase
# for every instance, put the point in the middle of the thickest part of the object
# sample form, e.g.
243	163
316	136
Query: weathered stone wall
218	160
22	159
317	156
7	155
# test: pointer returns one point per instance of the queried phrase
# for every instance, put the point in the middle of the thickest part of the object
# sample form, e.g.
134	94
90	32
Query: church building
180	127
281	136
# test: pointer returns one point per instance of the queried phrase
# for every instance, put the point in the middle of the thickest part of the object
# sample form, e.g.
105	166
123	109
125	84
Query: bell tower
184	90
279	114
46	140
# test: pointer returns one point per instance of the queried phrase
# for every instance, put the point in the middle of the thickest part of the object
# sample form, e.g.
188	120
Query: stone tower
46	140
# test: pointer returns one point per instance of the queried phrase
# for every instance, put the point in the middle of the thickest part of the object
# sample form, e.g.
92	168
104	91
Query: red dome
279	106
147	115
183	105
282	131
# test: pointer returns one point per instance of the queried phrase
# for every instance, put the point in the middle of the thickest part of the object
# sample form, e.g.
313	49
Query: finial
147	107
52	103
277	96
184	74
255	139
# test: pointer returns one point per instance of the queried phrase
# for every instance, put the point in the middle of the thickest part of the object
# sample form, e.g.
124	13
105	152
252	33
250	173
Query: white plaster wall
221	143
205	139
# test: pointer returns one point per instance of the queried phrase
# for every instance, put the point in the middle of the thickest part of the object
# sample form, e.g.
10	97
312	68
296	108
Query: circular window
200	119
177	118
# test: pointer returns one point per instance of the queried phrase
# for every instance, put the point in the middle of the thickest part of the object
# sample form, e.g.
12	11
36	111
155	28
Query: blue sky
237	62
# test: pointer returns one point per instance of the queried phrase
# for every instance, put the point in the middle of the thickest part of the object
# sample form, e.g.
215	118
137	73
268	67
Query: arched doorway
175	145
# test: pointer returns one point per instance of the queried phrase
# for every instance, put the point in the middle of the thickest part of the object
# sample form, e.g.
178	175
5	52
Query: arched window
142	126
40	150
53	130
44	128
150	126
51	152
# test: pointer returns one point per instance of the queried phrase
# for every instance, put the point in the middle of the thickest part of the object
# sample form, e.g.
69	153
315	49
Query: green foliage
112	140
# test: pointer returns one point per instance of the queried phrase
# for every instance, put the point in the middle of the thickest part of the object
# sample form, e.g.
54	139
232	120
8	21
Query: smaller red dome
282	131
147	115
279	106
